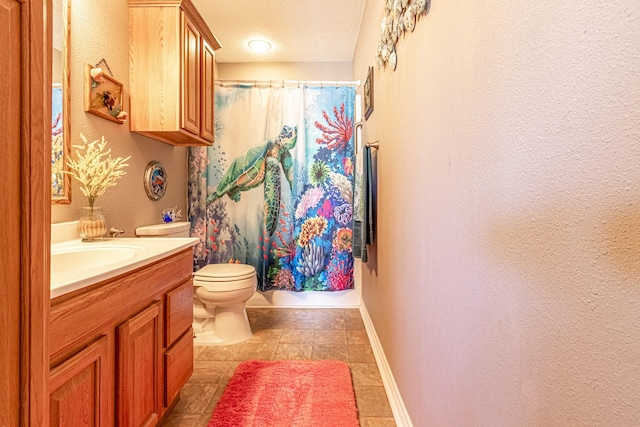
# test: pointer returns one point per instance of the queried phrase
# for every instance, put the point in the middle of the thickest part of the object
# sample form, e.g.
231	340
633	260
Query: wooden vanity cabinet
171	72
122	349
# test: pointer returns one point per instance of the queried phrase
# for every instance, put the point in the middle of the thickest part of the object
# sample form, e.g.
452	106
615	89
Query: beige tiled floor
314	334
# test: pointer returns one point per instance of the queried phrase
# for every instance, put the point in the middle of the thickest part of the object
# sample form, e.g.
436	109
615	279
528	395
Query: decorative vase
92	224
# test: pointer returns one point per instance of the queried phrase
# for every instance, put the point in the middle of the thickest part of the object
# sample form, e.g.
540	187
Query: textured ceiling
299	30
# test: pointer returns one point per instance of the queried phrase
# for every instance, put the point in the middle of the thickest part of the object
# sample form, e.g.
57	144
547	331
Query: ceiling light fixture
259	46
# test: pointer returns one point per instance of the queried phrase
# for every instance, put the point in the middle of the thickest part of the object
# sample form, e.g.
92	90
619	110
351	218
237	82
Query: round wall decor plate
155	180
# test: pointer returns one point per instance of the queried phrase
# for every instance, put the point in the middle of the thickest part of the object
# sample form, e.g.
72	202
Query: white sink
76	264
84	257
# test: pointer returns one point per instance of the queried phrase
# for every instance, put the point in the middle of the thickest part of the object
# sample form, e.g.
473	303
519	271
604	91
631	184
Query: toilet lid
225	272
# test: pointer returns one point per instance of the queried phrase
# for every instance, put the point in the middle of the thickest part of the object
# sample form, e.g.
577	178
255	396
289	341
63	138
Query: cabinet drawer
178	312
178	364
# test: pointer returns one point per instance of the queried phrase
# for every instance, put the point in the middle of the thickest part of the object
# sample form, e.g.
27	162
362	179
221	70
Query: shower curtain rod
282	83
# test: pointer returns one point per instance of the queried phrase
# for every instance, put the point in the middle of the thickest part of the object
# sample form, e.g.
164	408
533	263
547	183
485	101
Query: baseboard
400	413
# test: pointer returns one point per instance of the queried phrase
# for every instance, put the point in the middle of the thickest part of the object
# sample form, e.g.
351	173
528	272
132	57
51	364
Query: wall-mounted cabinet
171	72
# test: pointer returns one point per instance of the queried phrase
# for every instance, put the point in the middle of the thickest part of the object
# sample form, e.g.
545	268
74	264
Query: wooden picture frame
103	97
367	95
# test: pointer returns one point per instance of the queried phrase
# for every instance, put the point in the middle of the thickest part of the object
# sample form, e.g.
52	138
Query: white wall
505	280
101	30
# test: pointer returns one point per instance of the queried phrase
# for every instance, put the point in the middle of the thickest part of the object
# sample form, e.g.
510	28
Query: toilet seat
224	272
225	277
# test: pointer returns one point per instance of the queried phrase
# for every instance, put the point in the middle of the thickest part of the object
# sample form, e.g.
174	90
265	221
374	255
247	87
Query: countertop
74	276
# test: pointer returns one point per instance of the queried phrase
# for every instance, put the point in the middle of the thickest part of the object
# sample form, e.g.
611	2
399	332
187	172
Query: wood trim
178	138
35	211
10	183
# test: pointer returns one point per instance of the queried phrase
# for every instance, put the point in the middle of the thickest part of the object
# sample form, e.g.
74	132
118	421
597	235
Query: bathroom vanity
122	347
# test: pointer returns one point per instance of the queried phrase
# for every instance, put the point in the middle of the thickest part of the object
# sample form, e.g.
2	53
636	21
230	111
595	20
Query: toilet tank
171	229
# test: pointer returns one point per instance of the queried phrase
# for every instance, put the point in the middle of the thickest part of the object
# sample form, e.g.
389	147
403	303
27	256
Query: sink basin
84	257
76	264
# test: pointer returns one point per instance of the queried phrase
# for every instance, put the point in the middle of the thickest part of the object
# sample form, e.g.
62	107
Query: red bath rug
304	393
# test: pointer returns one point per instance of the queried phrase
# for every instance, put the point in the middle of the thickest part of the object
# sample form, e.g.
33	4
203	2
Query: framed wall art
103	95
367	94
155	180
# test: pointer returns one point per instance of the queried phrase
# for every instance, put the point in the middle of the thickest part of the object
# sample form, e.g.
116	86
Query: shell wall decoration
400	17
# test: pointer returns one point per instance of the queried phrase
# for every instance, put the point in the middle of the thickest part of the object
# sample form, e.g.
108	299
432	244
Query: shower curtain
276	189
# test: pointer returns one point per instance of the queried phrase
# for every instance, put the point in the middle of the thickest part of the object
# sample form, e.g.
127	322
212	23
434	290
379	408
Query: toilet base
228	325
208	338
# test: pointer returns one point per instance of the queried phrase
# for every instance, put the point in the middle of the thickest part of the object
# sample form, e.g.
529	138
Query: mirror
60	106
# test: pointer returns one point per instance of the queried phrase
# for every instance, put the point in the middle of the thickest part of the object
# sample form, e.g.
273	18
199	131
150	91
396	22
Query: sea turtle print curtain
276	189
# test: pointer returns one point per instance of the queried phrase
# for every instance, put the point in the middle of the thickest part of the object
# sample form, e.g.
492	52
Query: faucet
115	231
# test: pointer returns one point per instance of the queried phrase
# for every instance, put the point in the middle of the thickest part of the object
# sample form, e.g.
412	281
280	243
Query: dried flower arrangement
96	170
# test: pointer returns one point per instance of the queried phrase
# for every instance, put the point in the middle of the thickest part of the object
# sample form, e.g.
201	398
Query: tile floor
314	334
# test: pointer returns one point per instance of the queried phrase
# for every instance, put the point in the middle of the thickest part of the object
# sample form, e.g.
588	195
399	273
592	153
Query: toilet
220	294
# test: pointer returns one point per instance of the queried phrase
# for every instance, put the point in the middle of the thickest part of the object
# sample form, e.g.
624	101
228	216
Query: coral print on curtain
276	189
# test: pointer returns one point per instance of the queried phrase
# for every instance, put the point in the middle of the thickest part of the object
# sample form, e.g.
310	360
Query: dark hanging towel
363	230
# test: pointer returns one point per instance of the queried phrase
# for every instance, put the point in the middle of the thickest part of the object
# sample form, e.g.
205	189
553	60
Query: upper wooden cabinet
171	62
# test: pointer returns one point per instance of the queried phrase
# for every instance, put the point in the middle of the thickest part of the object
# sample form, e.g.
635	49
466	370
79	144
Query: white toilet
220	294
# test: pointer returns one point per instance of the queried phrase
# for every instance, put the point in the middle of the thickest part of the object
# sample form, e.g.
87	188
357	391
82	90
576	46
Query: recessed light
259	45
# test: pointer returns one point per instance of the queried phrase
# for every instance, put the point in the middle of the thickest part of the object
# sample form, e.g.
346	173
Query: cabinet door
207	79
190	66
178	312
80	388
139	369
